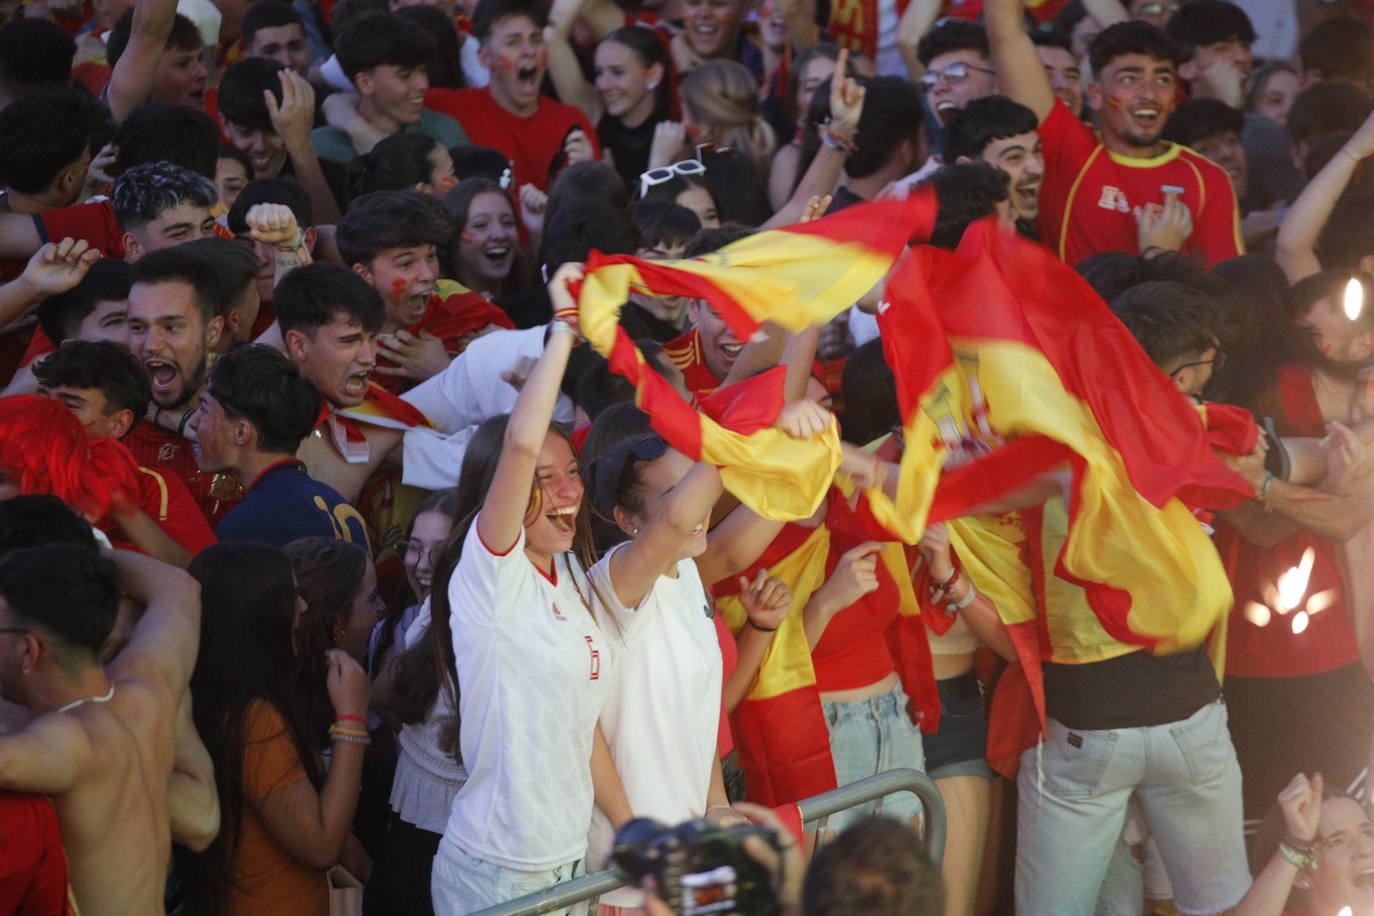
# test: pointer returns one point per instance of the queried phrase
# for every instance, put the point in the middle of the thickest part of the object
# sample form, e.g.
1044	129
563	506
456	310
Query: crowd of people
340	573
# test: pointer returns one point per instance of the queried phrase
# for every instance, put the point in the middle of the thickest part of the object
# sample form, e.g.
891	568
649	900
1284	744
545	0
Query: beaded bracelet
965	601
842	143
355	732
1300	859
351	739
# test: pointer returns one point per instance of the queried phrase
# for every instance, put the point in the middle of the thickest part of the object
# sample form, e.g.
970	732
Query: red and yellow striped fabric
793	277
1034	374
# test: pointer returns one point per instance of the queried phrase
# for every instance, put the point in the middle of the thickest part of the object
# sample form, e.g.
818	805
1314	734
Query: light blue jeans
1073	790
868	737
463	884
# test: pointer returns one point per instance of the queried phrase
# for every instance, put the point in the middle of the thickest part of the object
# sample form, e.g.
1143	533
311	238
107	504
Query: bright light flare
1257	614
1345	911
1300	621
1354	298
1292	584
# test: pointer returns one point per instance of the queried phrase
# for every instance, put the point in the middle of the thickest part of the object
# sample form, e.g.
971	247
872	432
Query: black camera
698	868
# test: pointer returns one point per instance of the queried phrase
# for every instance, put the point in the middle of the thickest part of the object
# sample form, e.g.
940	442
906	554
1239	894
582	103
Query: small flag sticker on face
1171	189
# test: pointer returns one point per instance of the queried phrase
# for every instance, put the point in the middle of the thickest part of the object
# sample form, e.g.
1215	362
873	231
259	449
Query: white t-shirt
458	399
662	716
534	670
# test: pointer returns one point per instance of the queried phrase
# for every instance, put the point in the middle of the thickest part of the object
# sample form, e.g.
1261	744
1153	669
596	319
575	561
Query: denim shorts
463	884
869	737
1077	783
960	747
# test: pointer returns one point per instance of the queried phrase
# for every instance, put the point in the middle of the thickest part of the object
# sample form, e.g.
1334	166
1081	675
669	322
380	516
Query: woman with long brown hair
529	663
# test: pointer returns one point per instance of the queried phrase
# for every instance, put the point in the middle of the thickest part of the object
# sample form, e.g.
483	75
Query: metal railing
815	812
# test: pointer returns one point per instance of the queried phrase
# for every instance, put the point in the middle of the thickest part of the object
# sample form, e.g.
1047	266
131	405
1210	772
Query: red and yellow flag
1009	366
794	277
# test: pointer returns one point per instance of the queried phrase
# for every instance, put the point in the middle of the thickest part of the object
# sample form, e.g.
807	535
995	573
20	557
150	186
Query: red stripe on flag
784	747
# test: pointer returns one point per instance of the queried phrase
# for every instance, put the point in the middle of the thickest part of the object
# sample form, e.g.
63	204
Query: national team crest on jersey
1113	199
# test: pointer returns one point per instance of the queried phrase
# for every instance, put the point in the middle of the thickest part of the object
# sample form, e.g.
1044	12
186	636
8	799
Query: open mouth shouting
355	386
945	109
1147	117
564	519
498	254
1028	194
165	376
527	76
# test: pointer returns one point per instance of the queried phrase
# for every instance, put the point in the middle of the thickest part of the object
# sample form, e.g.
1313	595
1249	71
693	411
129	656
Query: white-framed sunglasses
658	176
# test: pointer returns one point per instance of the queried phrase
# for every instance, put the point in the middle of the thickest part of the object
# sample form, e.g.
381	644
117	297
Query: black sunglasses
608	471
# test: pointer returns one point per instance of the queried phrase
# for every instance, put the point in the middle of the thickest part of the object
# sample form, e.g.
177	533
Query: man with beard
174	323
392	240
539	135
1127	189
1000	132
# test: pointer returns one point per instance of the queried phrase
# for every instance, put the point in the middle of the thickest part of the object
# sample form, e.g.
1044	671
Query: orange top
268	880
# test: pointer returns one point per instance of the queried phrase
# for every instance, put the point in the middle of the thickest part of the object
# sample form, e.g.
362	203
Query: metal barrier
815	812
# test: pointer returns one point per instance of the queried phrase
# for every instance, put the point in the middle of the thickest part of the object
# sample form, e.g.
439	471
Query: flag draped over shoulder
378	408
1009	366
793	277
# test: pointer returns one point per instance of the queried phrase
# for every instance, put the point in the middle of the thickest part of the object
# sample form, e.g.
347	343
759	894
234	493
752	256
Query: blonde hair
723	96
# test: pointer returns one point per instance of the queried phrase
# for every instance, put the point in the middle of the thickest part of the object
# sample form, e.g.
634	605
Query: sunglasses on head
655	177
608	471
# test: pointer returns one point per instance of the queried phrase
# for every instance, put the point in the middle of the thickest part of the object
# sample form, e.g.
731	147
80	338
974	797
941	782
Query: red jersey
172	456
1089	194
1269	646
33	878
95	223
685	352
454	319
534	144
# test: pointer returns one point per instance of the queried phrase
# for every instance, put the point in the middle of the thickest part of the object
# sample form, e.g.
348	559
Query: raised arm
293	119
132	80
503	509
1019	72
916	20
1296	249
47	756
846	107
564	68
53	269
313	826
162	647
636	567
1301	804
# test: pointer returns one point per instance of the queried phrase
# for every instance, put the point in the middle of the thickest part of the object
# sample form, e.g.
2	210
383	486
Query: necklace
109	695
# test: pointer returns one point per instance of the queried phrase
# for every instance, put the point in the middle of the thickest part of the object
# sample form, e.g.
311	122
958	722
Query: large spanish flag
1010	366
794	277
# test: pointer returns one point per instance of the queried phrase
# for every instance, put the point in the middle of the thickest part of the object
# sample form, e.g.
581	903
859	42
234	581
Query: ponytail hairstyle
649	50
723	96
480	462
398	163
43	449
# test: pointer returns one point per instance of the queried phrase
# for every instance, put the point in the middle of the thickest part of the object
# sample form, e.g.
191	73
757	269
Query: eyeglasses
655	177
420	549
952	75
1156	9
1216	362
